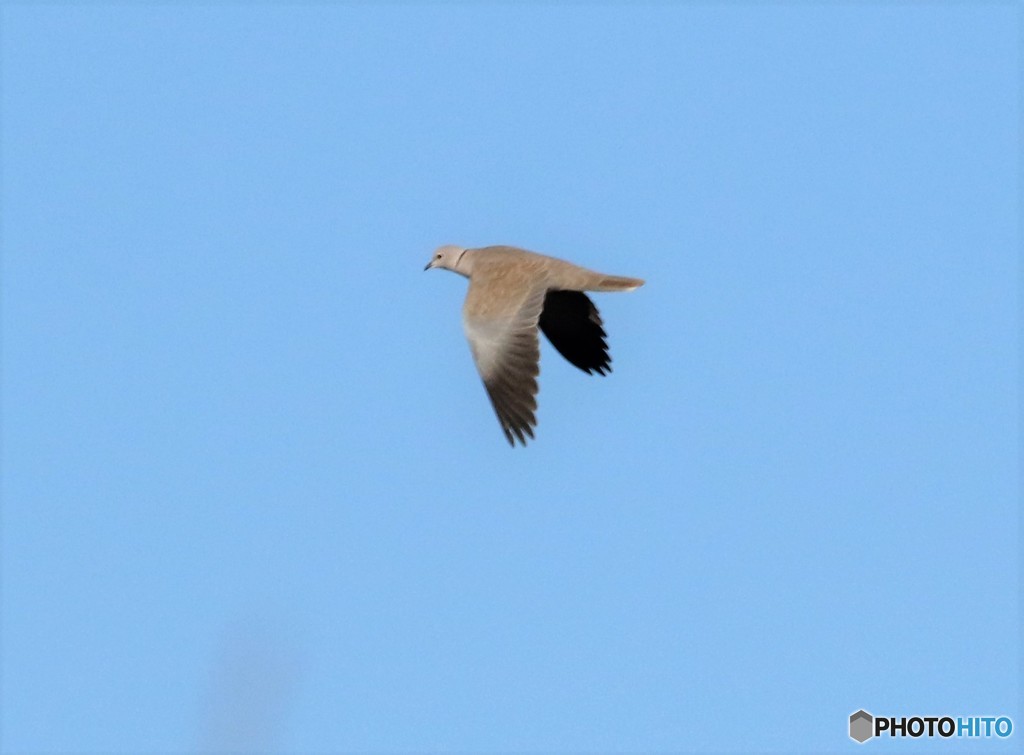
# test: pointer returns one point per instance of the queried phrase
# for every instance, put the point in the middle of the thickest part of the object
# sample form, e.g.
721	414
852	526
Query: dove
512	294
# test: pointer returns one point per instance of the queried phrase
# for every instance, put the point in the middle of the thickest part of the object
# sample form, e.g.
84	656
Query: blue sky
254	496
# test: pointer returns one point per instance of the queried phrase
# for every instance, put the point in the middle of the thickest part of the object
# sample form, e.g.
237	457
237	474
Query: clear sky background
254	495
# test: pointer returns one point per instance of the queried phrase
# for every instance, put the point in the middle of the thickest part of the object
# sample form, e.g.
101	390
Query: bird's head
449	257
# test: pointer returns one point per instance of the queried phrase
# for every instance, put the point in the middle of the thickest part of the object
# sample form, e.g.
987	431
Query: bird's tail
615	283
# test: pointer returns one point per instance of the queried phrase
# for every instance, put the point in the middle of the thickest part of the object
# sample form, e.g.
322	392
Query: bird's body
512	293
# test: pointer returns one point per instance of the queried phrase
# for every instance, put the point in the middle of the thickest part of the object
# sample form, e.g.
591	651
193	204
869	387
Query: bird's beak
429	265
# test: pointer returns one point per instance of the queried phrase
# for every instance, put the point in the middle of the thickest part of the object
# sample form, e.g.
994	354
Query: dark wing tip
572	324
513	397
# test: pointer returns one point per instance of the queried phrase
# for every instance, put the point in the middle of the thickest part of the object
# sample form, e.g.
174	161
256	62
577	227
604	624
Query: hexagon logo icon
861	726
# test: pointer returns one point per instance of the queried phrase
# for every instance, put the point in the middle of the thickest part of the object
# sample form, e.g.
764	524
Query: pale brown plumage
512	293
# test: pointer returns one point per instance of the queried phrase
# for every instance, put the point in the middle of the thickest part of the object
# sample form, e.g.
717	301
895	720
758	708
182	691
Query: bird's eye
437	257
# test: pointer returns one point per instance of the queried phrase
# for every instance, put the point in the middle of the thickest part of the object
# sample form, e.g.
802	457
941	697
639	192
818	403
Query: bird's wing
573	325
500	319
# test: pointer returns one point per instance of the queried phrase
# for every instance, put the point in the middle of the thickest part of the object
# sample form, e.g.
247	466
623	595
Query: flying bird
512	293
